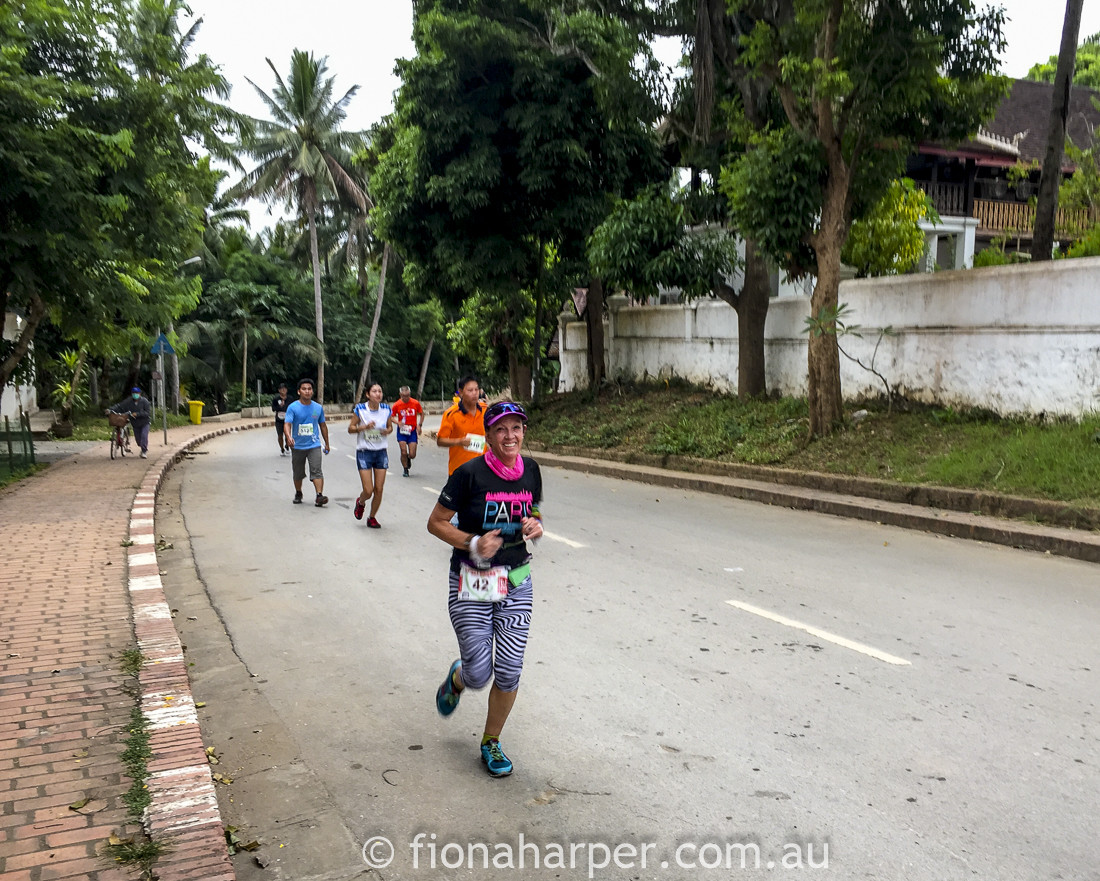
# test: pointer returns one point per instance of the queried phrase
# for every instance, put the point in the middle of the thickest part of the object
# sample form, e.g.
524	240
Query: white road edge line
553	536
821	634
550	535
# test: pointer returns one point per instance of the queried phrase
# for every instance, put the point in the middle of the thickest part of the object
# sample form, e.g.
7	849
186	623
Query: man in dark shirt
141	414
279	403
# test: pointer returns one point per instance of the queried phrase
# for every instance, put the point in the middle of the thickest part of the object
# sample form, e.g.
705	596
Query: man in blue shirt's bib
305	428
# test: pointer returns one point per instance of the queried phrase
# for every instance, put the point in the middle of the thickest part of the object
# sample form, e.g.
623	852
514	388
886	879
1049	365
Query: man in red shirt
408	416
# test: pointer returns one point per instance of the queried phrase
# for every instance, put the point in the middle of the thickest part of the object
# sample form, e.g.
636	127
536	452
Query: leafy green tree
859	85
93	162
303	157
650	242
888	240
514	123
1086	72
245	317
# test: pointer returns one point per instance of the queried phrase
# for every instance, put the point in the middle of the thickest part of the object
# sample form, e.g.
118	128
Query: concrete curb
183	812
1062	541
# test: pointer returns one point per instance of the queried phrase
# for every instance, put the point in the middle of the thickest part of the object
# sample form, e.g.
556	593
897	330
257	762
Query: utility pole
1046	209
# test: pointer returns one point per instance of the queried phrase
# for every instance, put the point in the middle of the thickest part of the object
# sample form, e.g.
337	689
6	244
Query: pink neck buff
500	469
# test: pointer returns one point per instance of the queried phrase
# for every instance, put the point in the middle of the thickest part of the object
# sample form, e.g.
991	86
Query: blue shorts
368	459
409	438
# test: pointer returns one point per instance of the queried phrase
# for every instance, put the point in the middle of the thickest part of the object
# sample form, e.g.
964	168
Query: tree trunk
825	402
1046	210
424	368
536	367
365	372
23	341
244	364
519	375
752	314
175	358
134	373
593	316
318	314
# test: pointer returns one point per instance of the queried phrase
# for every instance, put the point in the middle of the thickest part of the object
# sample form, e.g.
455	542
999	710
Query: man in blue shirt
305	428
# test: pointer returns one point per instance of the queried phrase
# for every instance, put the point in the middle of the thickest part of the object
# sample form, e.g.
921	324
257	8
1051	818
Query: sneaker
496	763
360	507
406	473
373	524
321	500
297	498
144	455
446	697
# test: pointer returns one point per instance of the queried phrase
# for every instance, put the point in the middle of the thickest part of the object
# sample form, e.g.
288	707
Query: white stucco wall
15	398
1014	339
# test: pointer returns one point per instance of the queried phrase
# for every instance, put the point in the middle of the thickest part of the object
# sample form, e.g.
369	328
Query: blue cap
136	389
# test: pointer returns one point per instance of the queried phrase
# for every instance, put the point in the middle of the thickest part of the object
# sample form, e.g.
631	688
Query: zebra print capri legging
479	625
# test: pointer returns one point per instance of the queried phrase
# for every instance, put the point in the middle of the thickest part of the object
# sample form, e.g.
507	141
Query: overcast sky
363	40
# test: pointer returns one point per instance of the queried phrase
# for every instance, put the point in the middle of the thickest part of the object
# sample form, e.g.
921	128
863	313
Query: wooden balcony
997	218
1017	219
949	199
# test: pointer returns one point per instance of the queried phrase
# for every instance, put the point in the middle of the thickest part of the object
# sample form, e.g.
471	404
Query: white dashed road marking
820	634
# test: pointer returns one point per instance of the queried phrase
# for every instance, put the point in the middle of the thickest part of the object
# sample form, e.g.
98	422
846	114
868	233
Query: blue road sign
162	346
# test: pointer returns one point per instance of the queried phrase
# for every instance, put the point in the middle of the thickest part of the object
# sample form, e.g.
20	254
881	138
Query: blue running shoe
498	764
447	696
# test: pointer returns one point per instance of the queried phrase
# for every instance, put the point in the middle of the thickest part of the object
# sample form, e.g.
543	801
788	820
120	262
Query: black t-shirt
485	502
279	405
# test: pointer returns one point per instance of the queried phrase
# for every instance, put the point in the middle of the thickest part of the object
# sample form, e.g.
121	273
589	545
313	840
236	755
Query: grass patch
140	855
135	759
8	477
131	661
972	449
93	426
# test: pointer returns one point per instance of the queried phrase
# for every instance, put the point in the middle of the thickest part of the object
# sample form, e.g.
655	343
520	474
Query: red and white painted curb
183	812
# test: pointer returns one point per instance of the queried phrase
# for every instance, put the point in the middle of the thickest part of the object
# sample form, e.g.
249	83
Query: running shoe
298	498
360	507
373	524
321	500
144	454
406	474
446	696
496	763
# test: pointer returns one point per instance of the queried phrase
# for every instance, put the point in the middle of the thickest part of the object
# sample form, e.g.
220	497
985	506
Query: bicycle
120	433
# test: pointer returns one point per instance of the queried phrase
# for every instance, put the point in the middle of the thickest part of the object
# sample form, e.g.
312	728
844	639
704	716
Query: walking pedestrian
140	411
495	499
279	403
304	428
408	416
371	422
462	429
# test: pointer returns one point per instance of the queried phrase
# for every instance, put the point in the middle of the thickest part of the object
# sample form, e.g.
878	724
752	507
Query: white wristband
477	558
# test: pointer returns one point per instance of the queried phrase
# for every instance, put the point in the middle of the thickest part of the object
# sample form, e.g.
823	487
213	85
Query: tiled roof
1026	111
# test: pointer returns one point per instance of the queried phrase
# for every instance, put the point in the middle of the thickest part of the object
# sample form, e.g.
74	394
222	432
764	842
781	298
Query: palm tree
303	157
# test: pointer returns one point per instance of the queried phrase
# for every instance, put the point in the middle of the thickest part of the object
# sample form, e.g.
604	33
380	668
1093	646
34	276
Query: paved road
938	722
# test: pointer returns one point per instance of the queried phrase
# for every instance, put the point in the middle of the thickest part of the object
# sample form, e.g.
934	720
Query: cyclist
140	410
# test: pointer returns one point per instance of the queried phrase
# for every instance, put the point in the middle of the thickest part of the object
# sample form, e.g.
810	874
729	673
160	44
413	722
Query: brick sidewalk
74	598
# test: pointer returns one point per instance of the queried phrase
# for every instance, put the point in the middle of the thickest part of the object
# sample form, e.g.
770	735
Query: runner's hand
532	528
489	544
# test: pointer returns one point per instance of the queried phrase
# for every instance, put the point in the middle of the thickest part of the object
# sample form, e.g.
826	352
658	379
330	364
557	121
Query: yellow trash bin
196	412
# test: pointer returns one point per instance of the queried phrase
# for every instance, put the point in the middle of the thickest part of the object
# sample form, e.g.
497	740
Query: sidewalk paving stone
80	587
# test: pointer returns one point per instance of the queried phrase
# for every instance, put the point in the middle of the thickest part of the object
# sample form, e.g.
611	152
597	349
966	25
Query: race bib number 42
483	585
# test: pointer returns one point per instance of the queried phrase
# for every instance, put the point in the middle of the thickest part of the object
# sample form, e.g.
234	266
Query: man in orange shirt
462	429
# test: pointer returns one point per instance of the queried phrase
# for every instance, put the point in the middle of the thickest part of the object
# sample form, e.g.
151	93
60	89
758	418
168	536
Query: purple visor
499	410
